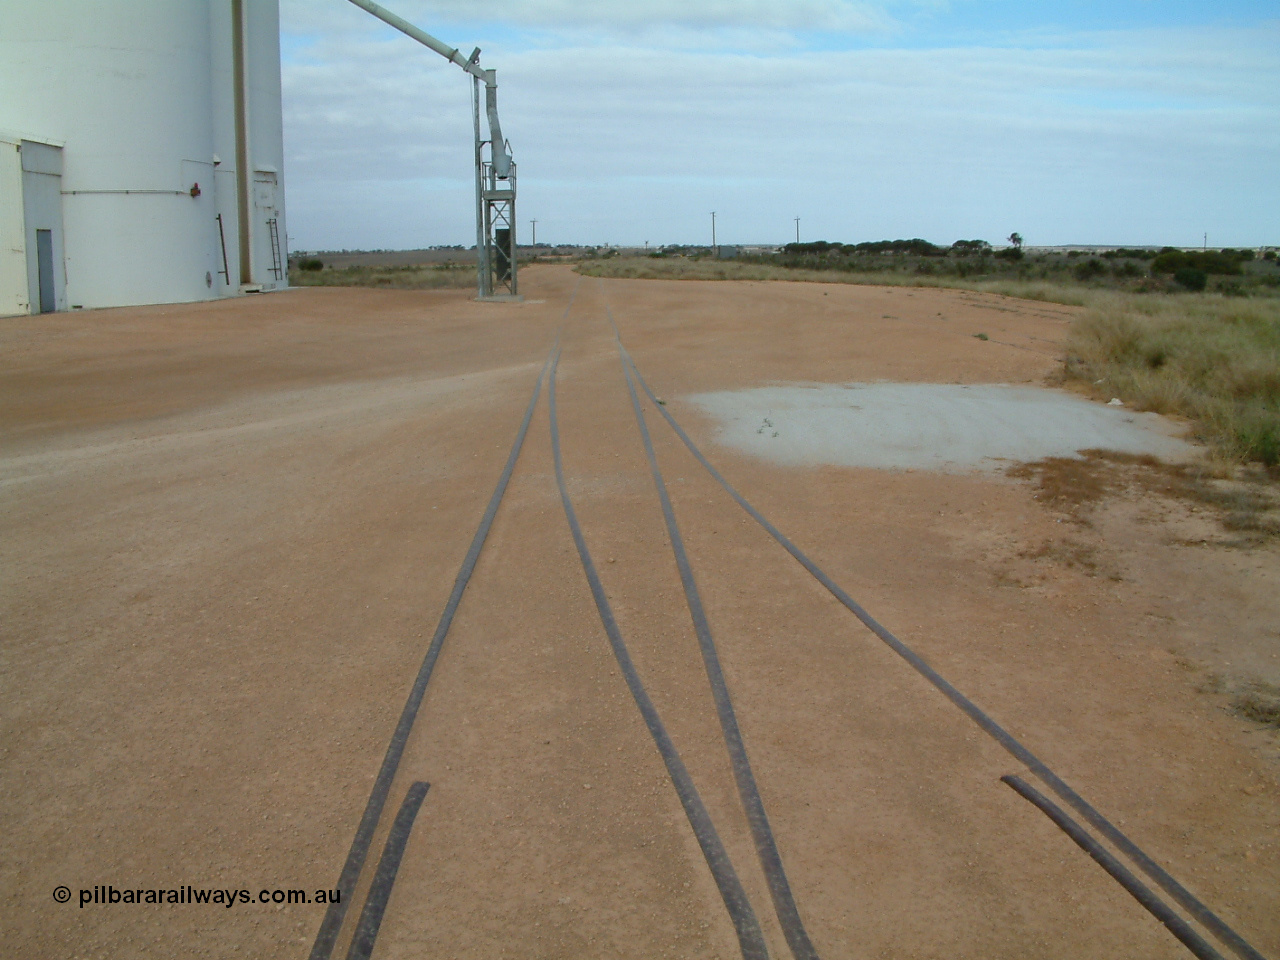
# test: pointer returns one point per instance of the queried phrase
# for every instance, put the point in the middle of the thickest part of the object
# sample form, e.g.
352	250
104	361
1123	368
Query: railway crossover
788	907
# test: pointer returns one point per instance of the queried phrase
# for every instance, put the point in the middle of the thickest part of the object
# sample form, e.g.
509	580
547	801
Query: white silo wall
266	136
14	297
139	94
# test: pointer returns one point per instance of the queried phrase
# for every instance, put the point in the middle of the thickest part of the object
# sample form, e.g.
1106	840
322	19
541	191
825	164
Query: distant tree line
913	247
1226	263
1166	269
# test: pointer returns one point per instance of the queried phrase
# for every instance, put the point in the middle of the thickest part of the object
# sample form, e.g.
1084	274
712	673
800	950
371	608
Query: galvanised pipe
501	159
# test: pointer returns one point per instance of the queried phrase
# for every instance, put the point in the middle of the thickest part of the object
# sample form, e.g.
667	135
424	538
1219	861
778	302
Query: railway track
788	909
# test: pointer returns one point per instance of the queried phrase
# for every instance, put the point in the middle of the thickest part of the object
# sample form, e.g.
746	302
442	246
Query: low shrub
1207	261
1130	254
1089	269
1189	278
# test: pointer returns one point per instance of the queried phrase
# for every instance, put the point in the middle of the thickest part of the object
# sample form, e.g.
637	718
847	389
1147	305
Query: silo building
141	152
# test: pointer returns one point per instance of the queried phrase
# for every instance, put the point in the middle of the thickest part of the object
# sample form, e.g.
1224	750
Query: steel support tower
495	175
495	214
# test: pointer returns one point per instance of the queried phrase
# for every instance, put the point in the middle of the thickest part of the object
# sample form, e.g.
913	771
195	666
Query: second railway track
742	909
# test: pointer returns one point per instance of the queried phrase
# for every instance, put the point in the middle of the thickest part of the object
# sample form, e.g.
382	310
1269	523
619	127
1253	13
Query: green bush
1190	278
1010	253
1207	261
310	263
1089	269
813	246
1127	253
916	246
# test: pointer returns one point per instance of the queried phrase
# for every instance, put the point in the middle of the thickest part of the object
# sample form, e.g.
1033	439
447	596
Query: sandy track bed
229	530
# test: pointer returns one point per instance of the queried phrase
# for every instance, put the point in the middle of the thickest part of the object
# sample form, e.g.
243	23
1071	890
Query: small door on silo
268	244
44	270
42	212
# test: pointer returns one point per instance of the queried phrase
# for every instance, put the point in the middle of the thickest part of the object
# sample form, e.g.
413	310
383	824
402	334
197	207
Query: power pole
797	229
713	233
535	232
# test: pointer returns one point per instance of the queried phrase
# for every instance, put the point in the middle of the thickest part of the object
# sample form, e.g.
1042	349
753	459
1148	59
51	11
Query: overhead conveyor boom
501	155
427	40
495	179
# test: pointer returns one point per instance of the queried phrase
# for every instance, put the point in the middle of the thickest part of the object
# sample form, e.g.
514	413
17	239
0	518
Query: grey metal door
44	262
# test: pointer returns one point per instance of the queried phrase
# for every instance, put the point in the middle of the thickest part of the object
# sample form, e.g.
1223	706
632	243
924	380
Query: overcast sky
1073	121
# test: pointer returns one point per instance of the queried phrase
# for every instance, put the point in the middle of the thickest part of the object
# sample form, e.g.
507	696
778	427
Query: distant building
141	153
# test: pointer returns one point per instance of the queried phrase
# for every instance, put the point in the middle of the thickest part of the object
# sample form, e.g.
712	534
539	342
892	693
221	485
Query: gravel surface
229	530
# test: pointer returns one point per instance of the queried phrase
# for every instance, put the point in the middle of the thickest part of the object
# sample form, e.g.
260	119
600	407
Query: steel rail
1105	859
384	877
331	925
784	903
1188	900
750	938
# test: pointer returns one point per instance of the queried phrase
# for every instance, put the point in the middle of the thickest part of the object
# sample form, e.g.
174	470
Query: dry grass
683	268
1252	699
1259	702
1245	503
434	276
1068	553
1211	359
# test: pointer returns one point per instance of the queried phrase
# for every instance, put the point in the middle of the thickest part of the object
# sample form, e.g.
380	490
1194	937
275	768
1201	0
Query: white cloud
623	15
842	15
1126	137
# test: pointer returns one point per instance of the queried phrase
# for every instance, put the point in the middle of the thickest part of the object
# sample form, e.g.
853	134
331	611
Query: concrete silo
141	153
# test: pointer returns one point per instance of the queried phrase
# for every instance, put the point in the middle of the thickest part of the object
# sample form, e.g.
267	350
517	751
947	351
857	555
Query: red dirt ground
229	530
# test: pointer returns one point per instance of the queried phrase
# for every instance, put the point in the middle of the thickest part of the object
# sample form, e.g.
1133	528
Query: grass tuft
1259	702
1212	359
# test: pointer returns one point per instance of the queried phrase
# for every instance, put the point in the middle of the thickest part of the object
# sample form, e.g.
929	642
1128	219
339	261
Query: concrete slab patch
952	428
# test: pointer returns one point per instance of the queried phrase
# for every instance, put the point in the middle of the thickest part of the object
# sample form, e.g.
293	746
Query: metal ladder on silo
277	267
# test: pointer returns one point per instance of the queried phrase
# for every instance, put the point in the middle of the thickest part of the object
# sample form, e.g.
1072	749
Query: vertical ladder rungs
277	268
